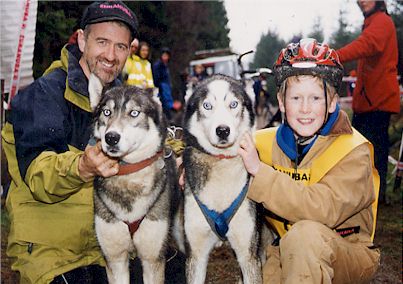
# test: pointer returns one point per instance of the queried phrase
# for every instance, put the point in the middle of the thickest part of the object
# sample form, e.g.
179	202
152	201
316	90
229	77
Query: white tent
18	23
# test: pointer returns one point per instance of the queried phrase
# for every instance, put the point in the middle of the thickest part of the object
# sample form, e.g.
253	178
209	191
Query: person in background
376	94
162	81
50	201
138	68
314	174
261	94
199	74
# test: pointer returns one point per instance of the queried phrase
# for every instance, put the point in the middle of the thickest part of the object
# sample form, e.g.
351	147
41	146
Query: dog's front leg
201	241
114	239
150	241
244	239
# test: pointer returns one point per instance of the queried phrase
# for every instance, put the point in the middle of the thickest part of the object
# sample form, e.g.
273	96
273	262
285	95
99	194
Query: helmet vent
305	64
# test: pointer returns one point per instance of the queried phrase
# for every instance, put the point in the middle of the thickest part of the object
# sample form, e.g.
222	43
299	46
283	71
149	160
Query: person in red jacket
376	95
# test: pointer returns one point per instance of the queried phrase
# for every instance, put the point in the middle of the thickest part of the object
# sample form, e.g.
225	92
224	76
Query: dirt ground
223	268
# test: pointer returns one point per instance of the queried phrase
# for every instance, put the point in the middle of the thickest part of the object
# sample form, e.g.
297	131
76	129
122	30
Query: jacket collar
286	139
76	78
76	90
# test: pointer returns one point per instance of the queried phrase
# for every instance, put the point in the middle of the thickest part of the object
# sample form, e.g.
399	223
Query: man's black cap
105	11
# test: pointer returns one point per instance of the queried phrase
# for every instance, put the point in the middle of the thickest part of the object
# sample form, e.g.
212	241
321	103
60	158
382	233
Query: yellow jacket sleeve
54	177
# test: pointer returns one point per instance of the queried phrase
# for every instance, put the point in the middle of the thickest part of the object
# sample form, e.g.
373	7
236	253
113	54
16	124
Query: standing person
376	95
138	68
314	174
162	81
50	201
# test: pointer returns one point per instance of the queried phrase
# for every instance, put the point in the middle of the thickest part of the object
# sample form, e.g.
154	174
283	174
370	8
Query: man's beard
105	76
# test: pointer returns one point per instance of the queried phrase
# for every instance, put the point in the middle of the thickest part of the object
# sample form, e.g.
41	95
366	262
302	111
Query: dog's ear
149	92
95	90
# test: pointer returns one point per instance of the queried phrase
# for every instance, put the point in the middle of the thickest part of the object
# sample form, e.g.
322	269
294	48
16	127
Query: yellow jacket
139	72
337	183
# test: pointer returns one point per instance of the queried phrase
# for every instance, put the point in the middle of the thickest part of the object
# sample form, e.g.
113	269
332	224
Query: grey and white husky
217	115
134	209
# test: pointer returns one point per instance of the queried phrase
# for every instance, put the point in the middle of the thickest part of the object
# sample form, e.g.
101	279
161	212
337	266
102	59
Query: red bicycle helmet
308	57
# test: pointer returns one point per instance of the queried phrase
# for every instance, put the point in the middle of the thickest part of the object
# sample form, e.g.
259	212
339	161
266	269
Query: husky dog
134	209
217	115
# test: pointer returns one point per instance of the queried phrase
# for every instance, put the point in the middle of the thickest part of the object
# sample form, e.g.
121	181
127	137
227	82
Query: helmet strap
326	108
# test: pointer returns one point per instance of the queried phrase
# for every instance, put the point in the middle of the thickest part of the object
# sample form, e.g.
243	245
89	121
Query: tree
56	21
183	26
317	30
342	35
340	38
267	51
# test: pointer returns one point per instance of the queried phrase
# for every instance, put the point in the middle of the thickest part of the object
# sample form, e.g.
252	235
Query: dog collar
125	168
221	156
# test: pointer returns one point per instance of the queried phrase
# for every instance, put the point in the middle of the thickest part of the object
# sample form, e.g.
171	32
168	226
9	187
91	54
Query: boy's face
105	50
304	105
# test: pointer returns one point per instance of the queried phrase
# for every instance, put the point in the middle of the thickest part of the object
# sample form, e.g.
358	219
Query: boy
315	176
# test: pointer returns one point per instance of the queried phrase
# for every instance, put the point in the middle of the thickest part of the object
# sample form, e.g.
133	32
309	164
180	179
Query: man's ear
95	90
81	40
280	103
333	103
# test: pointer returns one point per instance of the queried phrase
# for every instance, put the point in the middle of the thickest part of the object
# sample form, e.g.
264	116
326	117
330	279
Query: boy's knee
304	232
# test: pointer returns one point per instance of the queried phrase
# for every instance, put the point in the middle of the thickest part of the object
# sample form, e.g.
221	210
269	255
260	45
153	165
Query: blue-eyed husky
134	209
217	115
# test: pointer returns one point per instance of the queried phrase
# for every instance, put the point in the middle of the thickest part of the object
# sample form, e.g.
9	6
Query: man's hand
249	154
93	162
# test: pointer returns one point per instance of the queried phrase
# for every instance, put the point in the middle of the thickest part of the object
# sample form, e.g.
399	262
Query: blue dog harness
219	221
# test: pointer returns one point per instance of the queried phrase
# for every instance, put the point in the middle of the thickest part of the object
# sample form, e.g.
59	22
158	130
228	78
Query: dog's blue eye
134	113
106	112
207	105
233	104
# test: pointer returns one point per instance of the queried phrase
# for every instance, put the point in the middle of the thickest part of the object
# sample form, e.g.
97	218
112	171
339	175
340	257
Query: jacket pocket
68	226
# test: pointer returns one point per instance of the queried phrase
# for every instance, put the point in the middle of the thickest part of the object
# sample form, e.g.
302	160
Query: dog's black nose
112	138
222	131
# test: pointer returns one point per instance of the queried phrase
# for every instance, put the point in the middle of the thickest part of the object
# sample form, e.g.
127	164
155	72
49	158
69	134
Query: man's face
305	105
105	50
366	5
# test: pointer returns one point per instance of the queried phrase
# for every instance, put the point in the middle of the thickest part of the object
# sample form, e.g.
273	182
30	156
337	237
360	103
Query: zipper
364	94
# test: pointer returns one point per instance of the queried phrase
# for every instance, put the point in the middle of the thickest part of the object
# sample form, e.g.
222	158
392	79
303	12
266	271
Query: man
376	95
50	200
162	81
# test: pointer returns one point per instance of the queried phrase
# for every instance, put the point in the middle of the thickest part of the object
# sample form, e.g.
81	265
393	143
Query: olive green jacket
50	206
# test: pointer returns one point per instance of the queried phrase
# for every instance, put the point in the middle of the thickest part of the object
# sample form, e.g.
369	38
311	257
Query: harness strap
219	221
133	226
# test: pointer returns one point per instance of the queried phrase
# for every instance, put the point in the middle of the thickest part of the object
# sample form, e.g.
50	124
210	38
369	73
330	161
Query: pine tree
317	30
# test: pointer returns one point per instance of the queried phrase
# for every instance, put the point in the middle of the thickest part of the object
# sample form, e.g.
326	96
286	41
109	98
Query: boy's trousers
310	252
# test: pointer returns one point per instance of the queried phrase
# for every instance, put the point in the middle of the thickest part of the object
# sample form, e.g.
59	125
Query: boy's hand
93	162
249	154
181	172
